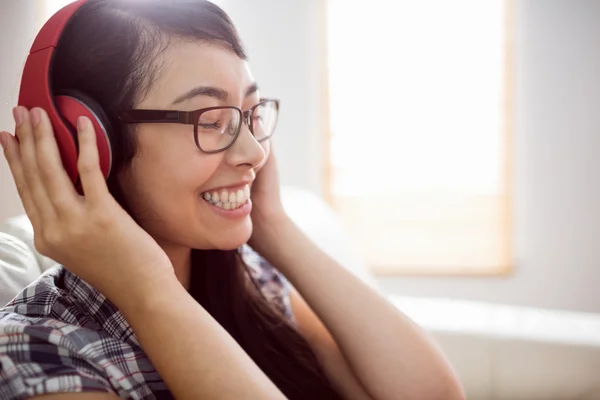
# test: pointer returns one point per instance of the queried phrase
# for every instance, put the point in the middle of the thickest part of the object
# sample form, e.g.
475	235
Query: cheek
177	163
267	146
163	184
190	174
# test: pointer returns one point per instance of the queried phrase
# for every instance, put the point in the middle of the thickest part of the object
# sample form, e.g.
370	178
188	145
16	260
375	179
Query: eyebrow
210	91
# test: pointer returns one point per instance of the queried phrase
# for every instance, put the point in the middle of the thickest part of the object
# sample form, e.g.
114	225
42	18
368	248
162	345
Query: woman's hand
267	209
90	235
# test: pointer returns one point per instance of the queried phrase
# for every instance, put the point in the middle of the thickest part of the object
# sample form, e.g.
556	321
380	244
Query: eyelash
215	125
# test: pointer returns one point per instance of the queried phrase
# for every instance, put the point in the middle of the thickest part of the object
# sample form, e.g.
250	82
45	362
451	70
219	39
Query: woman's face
170	179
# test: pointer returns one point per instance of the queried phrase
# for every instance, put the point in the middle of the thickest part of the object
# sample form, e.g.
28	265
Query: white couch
499	352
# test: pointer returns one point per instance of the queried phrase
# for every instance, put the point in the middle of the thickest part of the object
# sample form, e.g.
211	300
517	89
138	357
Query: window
419	129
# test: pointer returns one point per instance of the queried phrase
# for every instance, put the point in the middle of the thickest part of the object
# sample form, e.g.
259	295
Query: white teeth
228	200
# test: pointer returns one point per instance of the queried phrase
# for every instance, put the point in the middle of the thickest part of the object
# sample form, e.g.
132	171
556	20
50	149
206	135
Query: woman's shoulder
47	356
38	299
57	295
39	355
60	335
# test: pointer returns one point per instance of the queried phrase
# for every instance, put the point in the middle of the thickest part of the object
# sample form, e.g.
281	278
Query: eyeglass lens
217	128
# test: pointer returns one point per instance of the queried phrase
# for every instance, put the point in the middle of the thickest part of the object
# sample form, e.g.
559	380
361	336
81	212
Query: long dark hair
108	52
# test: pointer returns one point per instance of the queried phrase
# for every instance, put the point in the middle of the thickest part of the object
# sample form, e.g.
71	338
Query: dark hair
109	52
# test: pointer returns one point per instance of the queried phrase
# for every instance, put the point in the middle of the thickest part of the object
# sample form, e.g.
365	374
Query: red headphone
63	108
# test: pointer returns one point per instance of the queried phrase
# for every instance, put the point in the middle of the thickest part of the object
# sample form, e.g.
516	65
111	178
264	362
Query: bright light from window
416	86
418	130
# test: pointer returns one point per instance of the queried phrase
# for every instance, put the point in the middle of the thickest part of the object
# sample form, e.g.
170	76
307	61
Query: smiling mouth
228	199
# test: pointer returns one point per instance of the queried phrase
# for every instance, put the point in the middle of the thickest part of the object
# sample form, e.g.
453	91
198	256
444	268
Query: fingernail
19	115
36	117
82	123
3	140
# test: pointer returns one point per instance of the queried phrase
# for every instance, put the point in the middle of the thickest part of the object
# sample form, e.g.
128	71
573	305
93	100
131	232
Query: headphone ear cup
72	105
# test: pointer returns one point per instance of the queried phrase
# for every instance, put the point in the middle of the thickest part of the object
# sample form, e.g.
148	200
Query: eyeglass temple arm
156	116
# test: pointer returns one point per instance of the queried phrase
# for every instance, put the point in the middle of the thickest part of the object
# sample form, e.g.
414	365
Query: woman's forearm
193	354
389	354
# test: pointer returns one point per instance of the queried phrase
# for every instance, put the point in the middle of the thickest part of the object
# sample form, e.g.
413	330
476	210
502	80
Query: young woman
166	286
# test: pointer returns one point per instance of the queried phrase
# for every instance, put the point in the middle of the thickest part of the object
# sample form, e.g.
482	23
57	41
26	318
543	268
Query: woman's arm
194	355
327	351
391	357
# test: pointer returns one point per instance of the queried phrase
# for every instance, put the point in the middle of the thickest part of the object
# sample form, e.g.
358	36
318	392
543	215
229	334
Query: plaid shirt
61	335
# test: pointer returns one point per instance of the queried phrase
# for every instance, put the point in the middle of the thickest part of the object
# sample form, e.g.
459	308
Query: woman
158	295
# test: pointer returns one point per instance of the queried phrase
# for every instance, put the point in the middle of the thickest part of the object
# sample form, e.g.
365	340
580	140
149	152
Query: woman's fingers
59	187
42	183
88	164
32	177
13	156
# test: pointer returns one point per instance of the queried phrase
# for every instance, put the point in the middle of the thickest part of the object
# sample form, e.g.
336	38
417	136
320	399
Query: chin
232	240
230	245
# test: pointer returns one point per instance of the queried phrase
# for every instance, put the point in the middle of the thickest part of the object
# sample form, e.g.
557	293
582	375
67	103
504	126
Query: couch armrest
18	267
322	225
20	228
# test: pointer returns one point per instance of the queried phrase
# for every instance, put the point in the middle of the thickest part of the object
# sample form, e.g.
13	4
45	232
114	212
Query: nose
246	151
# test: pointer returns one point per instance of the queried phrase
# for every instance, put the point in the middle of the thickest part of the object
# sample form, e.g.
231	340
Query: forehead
187	64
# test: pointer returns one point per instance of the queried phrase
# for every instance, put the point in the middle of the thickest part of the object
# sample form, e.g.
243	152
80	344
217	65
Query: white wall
557	137
17	31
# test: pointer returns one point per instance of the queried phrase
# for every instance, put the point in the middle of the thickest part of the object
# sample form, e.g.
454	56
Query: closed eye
214	125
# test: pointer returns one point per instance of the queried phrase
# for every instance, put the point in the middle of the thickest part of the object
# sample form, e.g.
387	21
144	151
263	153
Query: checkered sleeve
38	359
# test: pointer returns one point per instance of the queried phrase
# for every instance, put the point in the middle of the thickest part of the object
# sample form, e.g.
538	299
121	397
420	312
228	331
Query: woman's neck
180	258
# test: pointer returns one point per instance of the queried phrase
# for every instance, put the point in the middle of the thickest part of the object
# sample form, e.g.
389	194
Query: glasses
215	128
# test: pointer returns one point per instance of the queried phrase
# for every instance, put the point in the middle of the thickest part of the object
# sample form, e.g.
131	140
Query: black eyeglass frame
140	116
